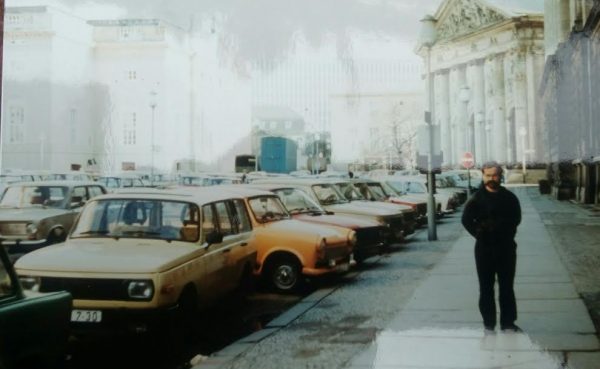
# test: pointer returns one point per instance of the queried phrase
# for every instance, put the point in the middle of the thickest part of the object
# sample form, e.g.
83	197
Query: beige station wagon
146	262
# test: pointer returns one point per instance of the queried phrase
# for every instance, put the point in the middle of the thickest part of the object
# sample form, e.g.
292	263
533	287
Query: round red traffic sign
467	160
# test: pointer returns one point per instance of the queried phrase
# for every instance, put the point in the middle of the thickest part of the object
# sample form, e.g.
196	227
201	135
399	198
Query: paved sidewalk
441	326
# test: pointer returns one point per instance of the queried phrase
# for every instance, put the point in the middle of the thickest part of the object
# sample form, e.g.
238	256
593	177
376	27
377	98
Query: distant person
492	216
350	174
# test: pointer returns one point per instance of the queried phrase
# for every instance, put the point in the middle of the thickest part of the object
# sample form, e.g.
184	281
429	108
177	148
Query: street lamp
152	105
523	134
427	39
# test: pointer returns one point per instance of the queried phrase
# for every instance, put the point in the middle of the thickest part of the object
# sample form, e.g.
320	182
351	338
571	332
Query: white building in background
221	108
375	128
51	108
495	56
146	64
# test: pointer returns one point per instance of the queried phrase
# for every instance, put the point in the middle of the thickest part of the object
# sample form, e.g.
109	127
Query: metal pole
152	149
1	78
468	183
431	227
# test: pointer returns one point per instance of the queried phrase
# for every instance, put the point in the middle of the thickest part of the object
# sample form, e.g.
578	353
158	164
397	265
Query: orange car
288	249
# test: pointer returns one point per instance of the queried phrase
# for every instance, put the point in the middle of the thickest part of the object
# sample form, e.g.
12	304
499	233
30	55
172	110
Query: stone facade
498	55
570	91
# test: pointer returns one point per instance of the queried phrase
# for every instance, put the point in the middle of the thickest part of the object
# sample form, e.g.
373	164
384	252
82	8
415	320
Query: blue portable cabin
278	154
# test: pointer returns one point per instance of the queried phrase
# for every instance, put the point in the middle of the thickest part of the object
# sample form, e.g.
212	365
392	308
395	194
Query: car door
215	256
233	242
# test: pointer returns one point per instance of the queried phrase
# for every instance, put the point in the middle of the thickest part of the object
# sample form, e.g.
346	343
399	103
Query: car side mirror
214	237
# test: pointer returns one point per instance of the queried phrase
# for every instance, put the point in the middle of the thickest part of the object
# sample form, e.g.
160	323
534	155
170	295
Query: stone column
521	104
462	116
442	113
510	108
498	138
476	82
454	109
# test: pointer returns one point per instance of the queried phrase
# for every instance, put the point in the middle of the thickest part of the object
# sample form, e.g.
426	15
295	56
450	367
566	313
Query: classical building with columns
487	63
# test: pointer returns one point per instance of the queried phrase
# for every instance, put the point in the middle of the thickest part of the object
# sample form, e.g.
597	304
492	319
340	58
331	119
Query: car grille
409	216
370	236
13	229
336	252
88	288
422	209
396	228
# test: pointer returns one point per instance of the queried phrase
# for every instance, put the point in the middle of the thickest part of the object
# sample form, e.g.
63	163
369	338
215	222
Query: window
79	194
95	191
131	75
225	222
16	123
241	216
208	221
130	130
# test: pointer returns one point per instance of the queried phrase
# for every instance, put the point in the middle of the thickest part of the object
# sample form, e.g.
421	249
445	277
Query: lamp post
427	38
523	134
152	105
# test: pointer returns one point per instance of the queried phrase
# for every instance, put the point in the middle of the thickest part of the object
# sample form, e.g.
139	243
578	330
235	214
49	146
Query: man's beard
493	184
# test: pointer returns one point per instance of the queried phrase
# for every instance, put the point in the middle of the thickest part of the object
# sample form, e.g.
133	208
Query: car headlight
30	283
31	228
352	239
142	290
321	248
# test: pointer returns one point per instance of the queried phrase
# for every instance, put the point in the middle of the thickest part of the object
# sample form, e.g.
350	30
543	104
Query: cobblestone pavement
575	228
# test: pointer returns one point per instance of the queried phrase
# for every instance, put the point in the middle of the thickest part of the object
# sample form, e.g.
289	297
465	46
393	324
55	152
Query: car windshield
378	191
268	209
349	191
35	196
296	201
328	195
139	218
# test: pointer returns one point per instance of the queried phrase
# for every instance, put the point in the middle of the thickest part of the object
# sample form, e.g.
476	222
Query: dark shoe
511	328
489	329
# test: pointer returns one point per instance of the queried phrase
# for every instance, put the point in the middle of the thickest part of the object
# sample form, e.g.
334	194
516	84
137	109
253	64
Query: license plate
342	267
86	316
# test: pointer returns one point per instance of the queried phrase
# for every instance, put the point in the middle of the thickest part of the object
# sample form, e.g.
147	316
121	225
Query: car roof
291	181
200	195
245	190
65	183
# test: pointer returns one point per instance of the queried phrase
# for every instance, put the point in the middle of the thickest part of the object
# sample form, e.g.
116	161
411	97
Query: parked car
377	191
418	185
69	176
144	264
34	327
122	181
326	194
37	214
364	191
371	235
289	249
417	200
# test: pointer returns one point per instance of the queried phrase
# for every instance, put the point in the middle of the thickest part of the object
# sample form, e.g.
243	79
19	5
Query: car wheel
285	274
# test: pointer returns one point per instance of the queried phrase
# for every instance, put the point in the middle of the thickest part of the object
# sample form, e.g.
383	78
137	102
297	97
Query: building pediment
461	17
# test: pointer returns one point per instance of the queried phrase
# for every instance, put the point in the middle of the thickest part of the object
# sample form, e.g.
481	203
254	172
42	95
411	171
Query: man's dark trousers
496	259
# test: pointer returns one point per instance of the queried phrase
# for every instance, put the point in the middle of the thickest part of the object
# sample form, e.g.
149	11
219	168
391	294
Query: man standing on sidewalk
492	216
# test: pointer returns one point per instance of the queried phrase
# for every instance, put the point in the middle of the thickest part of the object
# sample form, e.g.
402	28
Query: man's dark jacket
492	218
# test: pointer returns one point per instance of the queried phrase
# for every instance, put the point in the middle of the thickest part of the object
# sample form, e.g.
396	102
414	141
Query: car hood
295	230
107	255
27	214
346	221
359	208
393	208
